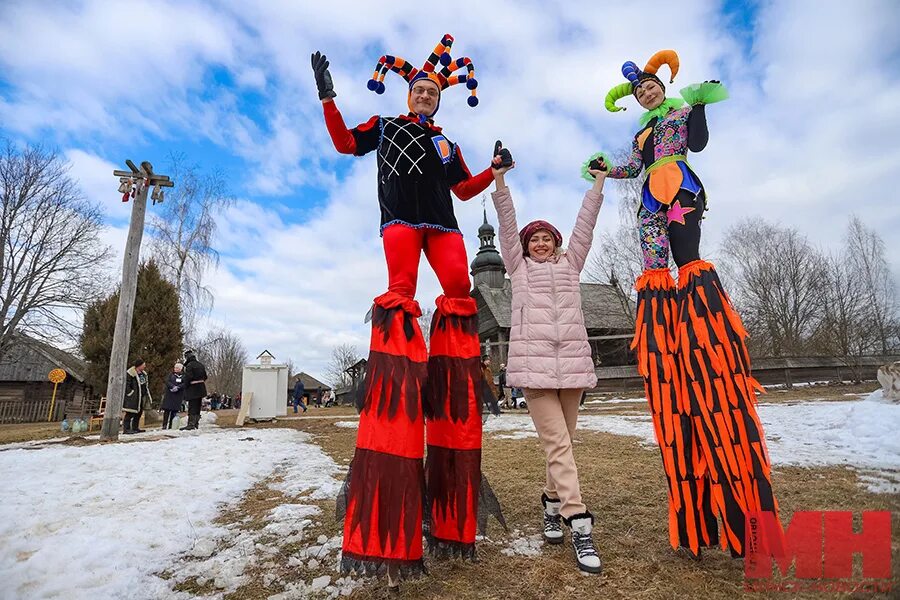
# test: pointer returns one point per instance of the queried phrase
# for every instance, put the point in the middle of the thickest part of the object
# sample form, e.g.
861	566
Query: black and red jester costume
407	392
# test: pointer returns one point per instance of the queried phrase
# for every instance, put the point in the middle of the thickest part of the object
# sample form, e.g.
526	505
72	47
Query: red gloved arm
343	139
471	186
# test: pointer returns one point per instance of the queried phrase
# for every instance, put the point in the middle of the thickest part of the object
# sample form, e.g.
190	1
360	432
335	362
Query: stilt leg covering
692	522
714	367
384	491
453	424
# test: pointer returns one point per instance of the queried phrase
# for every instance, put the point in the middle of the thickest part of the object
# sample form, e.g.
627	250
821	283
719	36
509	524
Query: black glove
506	159
598	164
323	77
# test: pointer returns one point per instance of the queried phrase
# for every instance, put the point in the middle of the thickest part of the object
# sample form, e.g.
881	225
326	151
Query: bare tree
50	254
866	256
184	231
775	278
224	356
343	356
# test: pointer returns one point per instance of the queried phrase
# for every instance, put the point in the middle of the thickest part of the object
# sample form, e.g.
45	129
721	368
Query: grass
622	483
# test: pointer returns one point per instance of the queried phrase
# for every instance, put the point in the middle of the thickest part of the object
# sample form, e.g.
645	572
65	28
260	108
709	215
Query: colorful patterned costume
410	396
690	340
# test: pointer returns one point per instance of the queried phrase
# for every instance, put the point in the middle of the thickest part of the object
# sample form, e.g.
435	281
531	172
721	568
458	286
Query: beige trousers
555	414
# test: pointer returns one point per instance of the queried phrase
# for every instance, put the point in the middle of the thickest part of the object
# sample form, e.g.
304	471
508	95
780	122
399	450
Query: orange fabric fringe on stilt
692	522
720	393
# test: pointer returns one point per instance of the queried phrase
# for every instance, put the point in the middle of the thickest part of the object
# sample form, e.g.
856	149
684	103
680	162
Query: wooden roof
29	359
603	307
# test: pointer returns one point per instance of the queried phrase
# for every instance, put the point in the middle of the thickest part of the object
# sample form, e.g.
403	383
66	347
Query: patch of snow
113	533
520	545
617	401
347	424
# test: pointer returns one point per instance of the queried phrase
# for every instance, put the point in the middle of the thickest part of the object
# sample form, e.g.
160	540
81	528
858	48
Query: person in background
299	391
174	395
319	397
195	376
137	397
488	375
501	386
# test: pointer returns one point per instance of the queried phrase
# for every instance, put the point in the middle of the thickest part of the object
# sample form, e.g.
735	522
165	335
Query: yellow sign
57	376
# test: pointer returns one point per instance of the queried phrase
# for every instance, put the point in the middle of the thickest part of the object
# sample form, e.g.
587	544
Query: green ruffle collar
661	111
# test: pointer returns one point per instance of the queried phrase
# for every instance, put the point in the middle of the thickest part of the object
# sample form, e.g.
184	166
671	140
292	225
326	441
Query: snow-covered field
102	521
861	434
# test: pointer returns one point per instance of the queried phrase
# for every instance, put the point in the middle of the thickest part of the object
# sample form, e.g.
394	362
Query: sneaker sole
554	541
591	570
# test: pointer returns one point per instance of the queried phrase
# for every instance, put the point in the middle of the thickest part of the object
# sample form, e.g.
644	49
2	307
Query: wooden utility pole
141	180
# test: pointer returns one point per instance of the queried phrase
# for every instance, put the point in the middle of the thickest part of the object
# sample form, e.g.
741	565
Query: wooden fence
20	411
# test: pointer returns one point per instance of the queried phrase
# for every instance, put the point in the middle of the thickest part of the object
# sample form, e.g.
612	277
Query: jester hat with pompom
443	78
635	77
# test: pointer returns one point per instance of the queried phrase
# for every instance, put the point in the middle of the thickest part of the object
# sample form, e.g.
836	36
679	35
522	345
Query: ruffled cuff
584	167
704	93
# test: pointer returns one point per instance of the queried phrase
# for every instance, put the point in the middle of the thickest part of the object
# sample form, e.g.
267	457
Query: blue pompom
471	83
372	85
473	101
380	88
445	58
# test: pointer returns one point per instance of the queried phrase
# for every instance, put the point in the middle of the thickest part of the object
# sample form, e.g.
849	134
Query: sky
808	136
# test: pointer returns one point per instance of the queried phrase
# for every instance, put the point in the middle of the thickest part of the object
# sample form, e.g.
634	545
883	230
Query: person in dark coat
501	386
195	390
299	391
319	397
137	397
174	395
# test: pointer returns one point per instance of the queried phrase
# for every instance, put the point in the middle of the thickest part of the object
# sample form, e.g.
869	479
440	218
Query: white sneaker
582	526
553	533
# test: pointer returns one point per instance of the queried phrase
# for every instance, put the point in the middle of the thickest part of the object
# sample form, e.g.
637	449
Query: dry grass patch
622	483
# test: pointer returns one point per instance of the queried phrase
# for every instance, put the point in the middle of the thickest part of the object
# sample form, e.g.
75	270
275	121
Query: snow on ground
617	401
347	424
522	545
861	434
108	518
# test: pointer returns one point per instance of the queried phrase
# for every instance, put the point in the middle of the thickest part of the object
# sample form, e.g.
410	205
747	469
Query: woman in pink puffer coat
549	354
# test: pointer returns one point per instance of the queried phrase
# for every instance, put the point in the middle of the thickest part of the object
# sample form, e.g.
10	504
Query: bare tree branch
343	356
50	254
184	231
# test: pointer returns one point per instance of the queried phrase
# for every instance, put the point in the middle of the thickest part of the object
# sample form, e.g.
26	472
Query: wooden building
25	391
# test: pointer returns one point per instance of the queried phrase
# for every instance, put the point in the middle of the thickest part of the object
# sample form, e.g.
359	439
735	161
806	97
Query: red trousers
444	250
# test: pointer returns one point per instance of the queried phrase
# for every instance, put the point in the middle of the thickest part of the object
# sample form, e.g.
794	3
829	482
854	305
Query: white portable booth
265	384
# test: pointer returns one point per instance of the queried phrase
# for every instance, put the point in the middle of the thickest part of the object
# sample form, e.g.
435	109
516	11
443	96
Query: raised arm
361	139
698	132
632	168
462	182
510	245
583	233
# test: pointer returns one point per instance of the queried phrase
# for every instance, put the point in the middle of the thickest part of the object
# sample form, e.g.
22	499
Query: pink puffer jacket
548	347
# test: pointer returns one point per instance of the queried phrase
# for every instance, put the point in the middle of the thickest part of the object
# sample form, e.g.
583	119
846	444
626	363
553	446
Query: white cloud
807	137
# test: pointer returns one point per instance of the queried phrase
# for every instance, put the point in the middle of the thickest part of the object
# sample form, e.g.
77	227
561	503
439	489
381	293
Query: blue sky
229	85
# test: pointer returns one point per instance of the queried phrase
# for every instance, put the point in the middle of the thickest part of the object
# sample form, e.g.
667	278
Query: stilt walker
389	493
689	340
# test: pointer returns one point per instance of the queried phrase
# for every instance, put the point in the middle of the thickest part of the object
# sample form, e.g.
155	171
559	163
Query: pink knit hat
529	230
